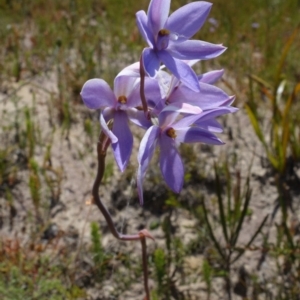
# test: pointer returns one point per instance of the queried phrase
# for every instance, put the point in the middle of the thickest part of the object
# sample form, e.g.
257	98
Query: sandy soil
74	157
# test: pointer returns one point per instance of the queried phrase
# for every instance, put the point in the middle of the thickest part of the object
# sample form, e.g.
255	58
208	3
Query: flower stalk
103	144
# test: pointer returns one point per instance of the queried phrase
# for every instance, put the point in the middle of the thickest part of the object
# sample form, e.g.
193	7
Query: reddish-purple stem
145	266
102	146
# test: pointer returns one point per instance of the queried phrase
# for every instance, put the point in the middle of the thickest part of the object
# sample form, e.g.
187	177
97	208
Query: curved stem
145	266
102	146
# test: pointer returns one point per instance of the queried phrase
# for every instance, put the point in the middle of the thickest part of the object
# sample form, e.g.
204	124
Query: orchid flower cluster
162	94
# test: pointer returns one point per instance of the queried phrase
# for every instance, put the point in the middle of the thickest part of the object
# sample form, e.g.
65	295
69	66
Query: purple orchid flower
168	134
168	39
208	98
120	106
174	92
167	89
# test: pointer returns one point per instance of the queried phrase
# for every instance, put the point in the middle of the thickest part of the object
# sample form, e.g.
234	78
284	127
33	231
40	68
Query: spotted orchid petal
96	93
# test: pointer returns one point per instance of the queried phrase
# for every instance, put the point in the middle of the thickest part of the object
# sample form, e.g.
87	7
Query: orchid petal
188	19
167	116
134	98
108	113
229	101
152	91
158	12
194	49
208	98
192	62
185	108
107	131
216	112
171	165
186	121
150	61
153	95
122	149
211	77
199	119
139	182
180	70
163	78
146	151
123	85
210	125
132	70
96	93
175	82
196	135
138	118
148	144
142	24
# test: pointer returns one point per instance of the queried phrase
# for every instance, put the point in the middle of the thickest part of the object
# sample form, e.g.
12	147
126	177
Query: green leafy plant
232	211
35	185
27	273
99	256
282	137
53	177
207	276
160	264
